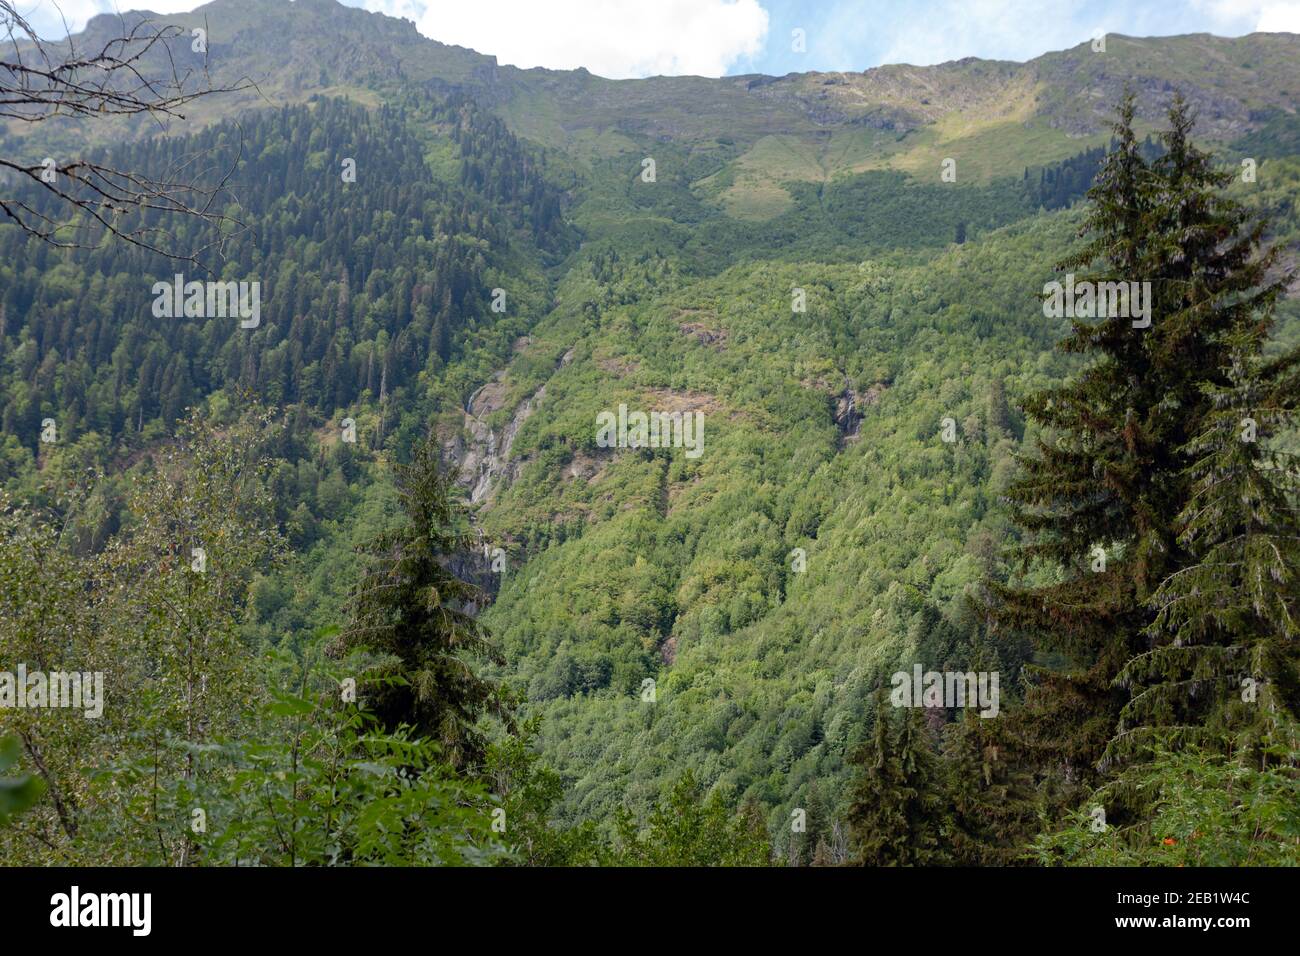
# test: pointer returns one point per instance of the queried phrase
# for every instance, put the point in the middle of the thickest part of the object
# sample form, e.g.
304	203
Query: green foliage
204	755
313	782
1227	621
157	620
691	828
1206	810
529	792
898	815
47	623
1111	470
627	566
412	610
364	286
16	793
995	807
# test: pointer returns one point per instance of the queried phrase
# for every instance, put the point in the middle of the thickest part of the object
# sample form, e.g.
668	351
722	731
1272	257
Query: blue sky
629	38
853	35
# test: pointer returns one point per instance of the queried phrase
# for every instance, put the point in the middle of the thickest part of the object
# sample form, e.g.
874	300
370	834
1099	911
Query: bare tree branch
136	72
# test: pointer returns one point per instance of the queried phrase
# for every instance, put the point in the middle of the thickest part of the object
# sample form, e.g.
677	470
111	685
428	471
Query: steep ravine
481	456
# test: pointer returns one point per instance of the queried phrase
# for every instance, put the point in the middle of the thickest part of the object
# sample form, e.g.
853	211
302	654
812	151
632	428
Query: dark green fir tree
993	799
1103	497
899	810
1223	672
412	609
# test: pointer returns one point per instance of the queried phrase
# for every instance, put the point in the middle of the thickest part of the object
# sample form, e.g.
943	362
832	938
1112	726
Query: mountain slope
827	534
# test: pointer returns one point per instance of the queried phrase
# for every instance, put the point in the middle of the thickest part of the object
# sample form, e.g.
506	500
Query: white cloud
1279	18
953	29
1248	16
47	17
614	38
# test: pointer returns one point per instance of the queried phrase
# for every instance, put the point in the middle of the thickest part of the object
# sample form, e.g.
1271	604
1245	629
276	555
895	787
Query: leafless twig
133	73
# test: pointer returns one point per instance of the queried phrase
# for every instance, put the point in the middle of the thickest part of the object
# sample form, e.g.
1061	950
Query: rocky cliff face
479	455
485	460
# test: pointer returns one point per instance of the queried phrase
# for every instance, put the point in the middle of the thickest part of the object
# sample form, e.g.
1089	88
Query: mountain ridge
248	37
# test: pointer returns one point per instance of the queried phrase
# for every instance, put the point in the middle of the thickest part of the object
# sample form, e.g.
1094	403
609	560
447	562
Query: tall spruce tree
1111	471
412	608
1223	674
994	804
1083	487
899	811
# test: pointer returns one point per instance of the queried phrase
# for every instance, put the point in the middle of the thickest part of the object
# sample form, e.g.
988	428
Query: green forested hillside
860	335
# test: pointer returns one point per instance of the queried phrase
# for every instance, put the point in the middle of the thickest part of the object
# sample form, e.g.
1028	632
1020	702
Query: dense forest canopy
365	585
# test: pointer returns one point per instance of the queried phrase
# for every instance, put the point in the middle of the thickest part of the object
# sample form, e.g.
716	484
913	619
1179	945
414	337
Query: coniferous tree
1082	487
818	822
801	843
1223	670
410	607
822	855
899	811
1102	497
992	795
